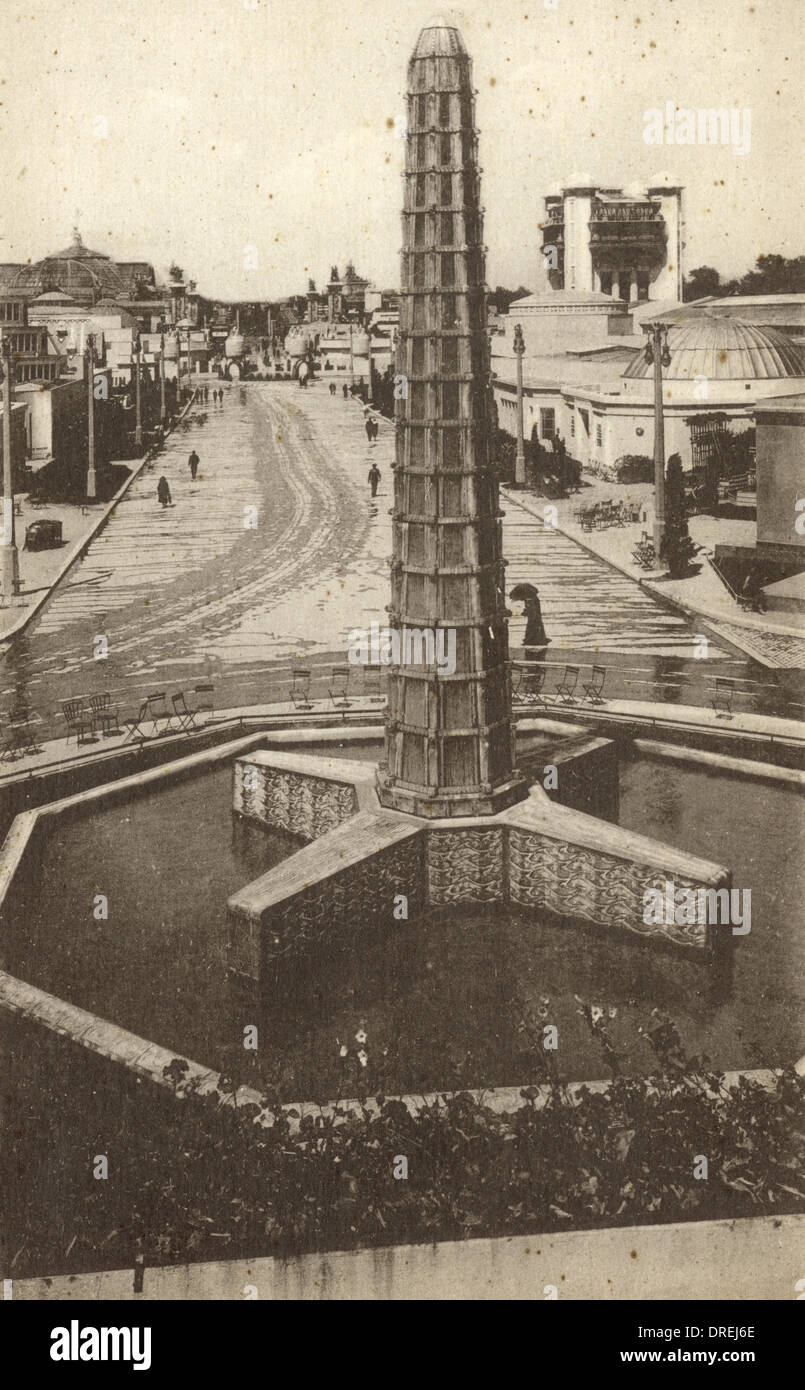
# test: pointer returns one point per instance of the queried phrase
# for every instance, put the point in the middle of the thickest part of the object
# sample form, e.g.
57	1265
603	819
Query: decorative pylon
446	821
449	737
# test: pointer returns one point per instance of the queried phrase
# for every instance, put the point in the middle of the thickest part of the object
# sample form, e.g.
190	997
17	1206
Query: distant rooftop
555	299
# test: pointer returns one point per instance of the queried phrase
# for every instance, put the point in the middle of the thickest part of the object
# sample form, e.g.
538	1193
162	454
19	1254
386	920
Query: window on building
444	108
606	282
547	422
599	435
446	155
447	188
422	110
572	424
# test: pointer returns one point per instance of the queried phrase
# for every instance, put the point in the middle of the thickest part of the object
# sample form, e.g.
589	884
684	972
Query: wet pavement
277	550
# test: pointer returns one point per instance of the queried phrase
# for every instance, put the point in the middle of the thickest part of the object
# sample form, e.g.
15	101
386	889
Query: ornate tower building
449	733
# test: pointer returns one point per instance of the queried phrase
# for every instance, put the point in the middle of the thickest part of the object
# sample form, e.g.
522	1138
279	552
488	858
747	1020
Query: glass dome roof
723	349
85	275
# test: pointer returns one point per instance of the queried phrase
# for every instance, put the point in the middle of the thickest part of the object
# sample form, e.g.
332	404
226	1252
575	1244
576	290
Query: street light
11	563
519	458
89	358
138	418
658	353
162	411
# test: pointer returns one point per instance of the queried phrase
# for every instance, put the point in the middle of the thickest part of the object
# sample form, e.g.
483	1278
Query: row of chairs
528	685
90	715
340	690
603	514
529	681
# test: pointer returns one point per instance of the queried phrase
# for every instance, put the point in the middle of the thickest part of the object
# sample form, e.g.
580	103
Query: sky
253	141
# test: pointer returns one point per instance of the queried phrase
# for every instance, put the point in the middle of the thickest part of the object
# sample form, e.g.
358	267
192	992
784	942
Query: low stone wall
705	1261
334	889
466	865
587	778
536	854
282	791
579	867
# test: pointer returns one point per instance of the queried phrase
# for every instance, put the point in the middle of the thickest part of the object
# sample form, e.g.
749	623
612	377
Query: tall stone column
449	734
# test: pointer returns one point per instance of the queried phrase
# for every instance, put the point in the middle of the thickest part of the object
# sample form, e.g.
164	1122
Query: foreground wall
699	1260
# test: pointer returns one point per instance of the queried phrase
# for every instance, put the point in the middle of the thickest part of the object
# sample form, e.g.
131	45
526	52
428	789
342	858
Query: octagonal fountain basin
442	998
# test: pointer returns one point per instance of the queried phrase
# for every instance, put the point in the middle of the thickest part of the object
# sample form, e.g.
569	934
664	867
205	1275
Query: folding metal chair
339	687
79	721
158	709
183	713
593	688
721	698
21	740
567	685
104	714
528	683
135	726
372	689
300	688
205	702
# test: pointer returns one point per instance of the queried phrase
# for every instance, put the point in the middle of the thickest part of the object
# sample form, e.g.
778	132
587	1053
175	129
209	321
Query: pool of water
442	998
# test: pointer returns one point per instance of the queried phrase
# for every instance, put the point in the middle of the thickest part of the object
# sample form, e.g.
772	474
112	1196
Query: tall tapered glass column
449	735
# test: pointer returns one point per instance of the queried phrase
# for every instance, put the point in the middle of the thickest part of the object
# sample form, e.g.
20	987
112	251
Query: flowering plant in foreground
193	1179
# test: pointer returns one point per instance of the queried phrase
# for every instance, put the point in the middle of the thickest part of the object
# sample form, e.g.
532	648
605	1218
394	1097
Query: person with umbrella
535	634
164	492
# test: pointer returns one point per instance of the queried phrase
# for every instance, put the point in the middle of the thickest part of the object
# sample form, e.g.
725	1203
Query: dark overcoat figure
535	634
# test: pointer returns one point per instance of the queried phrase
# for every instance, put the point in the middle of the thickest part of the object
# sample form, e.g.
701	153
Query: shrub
194	1179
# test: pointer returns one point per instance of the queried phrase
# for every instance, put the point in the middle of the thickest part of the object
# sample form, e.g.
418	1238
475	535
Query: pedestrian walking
206	394
375	426
374	478
369	434
164	492
194	462
346	391
332	388
535	634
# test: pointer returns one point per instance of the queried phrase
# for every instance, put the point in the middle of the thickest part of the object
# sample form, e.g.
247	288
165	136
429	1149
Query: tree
678	548
773	274
502	298
701	283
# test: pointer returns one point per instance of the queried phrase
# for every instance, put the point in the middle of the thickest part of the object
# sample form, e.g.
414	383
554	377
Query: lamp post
351	358
89	358
138	418
162	411
519	458
11	564
657	353
369	353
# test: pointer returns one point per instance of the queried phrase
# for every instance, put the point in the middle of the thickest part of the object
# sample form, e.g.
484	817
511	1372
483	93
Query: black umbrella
522	593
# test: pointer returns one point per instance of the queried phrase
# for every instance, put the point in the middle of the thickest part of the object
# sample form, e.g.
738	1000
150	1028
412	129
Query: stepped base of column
447	804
